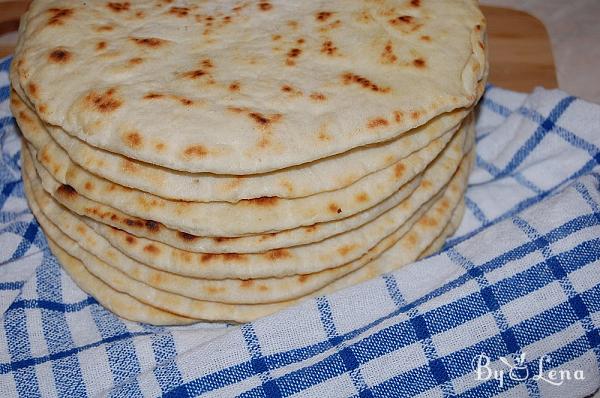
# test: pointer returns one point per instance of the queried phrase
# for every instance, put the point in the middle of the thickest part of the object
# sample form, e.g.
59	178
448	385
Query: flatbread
327	174
353	246
248	88
289	260
418	239
262	215
119	303
63	226
436	176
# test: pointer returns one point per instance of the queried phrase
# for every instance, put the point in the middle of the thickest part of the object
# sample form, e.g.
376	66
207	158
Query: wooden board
520	51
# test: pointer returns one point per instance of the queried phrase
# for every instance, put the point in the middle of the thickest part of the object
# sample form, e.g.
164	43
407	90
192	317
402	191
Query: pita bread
277	77
61	225
418	239
435	178
306	259
327	174
262	215
121	304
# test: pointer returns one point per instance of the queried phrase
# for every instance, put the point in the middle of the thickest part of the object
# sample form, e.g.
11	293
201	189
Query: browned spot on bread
221	239
129	167
399	169
398	115
419	62
207	63
152	226
196	151
58	15
152	42
349	78
179	11
135	61
344	250
425	38
226	256
311	229
292	24
328	48
23	117
67	191
428	221
303	278
185	101
214	290
478	27
444	205
139	14
134	223
415	115
59	56
275	37
278	254
300	41
334	208
377	122
482	45
88	186
246	283
42	108
33	90
323	16
264	120
292	55
194	74
403	19
426	184
362	197
153	96
263	201
159	146
411	239
187	237
265	6
265	237
118	7
318	96
104	28
388	56
287	185
286	88
235	109
103	102
45	158
206	257
133	139
235	86
101	45
152	249
130	239
415	3
323	136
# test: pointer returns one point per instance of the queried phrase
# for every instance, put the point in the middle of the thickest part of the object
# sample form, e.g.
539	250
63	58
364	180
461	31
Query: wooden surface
519	47
520	50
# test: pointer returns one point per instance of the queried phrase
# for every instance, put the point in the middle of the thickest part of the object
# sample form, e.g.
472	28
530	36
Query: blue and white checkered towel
511	307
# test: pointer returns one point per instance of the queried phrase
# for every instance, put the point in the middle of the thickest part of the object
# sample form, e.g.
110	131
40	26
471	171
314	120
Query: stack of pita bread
221	160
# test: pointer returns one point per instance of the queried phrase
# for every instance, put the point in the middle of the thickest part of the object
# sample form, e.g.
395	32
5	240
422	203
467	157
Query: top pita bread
250	87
